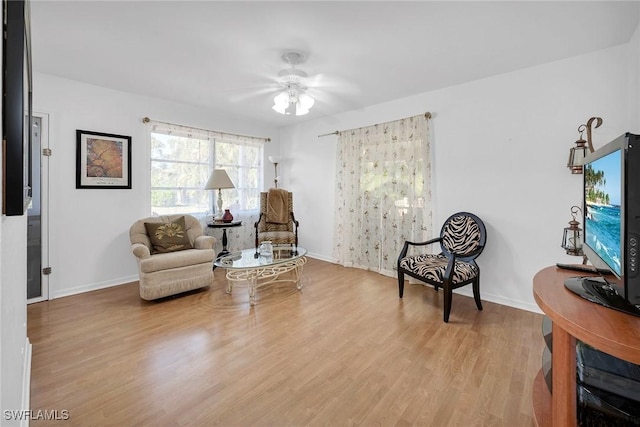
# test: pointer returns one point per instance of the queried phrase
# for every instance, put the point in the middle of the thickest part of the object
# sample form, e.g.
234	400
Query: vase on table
227	217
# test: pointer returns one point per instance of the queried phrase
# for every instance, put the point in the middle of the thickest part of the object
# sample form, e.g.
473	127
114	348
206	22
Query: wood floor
343	351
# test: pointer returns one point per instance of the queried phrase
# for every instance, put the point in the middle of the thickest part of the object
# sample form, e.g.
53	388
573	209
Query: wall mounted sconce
275	160
579	152
572	237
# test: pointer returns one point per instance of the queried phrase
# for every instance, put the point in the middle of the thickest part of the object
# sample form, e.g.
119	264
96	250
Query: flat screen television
611	218
17	107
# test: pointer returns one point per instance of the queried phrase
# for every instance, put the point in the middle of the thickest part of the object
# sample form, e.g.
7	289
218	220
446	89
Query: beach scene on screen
602	204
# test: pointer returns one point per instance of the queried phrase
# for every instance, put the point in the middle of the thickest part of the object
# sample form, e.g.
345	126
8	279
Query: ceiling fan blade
335	84
333	99
239	97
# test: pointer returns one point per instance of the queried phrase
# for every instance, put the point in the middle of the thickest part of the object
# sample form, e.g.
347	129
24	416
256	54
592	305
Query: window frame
216	141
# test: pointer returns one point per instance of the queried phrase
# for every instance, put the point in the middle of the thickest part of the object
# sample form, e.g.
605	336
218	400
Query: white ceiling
226	55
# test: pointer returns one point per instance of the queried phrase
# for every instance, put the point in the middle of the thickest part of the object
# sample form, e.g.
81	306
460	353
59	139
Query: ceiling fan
293	98
293	91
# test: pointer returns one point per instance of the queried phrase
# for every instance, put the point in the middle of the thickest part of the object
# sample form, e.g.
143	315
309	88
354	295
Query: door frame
44	205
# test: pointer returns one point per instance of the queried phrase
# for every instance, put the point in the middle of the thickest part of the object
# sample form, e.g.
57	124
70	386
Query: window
182	159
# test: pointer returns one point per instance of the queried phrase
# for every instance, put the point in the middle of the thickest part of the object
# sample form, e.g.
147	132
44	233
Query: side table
224	226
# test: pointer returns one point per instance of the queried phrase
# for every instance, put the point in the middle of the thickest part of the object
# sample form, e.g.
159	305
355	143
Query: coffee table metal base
259	276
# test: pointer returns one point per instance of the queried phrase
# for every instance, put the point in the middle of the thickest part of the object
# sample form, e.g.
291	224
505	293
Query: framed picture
103	160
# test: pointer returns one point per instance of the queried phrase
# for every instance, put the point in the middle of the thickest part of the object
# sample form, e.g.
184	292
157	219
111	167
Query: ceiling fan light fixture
280	109
306	102
293	100
281	102
291	109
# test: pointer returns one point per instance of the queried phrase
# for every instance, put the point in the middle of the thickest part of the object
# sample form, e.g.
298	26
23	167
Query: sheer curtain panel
383	192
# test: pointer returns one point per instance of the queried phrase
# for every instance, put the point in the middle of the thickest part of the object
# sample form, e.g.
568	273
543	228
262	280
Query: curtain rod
146	120
427	115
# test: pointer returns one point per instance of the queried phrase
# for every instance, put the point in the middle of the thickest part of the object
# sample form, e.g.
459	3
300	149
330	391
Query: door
38	213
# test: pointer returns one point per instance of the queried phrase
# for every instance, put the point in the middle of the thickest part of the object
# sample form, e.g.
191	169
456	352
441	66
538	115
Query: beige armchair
177	269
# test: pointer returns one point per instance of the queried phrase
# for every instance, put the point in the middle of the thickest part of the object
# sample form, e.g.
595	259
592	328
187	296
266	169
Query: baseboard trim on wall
501	300
321	257
93	286
26	382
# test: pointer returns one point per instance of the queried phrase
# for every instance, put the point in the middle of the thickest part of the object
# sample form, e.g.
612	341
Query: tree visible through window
182	159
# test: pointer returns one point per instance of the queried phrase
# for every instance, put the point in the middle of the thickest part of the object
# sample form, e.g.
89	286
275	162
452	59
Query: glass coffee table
247	266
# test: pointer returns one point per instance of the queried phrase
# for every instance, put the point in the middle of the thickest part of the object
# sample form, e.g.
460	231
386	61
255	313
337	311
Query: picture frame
103	160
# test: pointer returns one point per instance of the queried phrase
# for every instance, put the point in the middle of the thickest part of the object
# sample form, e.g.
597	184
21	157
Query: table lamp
218	180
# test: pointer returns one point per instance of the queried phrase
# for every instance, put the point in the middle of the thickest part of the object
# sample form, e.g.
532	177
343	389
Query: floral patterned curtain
383	192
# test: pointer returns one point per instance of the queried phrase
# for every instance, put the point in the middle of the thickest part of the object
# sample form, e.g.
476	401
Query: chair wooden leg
448	296
476	292
400	283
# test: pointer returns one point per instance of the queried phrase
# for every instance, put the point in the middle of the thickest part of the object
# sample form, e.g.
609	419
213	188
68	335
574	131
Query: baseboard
321	257
93	287
26	382
501	300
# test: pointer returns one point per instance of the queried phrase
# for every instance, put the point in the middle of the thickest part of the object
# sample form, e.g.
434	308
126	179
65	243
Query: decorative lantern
572	238
578	153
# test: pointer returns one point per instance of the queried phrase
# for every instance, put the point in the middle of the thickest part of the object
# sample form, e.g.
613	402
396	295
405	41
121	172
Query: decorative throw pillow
168	236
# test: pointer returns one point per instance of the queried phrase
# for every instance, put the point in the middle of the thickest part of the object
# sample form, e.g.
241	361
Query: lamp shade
281	102
219	179
305	102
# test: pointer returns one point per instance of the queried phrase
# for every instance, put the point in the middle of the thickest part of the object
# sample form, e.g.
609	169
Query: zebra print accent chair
462	239
276	233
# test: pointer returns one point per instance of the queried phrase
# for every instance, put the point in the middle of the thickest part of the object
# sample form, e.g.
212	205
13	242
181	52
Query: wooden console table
575	318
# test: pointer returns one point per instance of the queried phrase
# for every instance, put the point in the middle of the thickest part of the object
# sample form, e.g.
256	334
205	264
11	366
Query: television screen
611	218
602	229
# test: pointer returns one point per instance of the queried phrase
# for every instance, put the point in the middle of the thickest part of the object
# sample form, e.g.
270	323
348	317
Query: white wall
13	313
500	150
89	229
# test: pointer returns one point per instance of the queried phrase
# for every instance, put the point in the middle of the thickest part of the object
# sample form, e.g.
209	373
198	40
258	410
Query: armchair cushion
179	259
168	236
433	267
